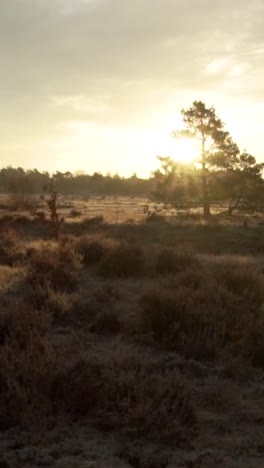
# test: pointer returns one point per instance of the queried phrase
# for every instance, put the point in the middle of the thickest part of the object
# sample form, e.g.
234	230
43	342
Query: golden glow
186	150
92	148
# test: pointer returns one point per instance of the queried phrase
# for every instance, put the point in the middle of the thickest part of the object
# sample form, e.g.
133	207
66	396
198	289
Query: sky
98	85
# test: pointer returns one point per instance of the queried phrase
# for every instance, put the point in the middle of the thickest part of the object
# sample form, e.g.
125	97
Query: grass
58	265
27	362
75	213
124	261
171	261
146	339
107	322
58	303
130	394
243	280
205	312
11	249
91	249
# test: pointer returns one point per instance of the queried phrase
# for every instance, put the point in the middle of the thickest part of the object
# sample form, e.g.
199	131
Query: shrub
193	278
22	201
6	219
19	322
22	221
57	303
55	221
124	261
130	393
26	376
171	261
242	280
107	321
199	322
92	250
59	266
27	365
11	247
93	222
106	294
250	344
75	213
155	218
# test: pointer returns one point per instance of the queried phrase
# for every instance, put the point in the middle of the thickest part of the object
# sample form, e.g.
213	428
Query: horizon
98	85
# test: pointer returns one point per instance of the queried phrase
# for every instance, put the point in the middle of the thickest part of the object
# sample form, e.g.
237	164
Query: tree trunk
234	206
205	194
234	203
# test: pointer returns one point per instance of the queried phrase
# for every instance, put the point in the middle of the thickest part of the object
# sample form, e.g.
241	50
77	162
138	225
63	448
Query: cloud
238	69
122	63
217	65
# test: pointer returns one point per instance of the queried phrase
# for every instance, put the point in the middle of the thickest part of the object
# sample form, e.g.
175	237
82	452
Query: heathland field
133	338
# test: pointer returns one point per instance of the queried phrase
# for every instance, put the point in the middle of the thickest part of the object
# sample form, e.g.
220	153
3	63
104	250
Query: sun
185	151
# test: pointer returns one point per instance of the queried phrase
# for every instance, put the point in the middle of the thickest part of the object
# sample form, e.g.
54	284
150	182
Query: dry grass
27	363
155	342
12	250
130	394
124	261
107	322
243	280
91	249
10	278
203	313
58	303
173	261
58	265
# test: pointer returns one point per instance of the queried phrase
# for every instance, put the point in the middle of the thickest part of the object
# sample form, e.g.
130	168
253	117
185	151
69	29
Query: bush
75	213
194	278
92	250
155	218
107	321
123	261
22	201
6	219
242	280
200	322
25	380
171	261
57	303
11	247
129	393
251	344
93	222
18	323
27	366
59	266
22	221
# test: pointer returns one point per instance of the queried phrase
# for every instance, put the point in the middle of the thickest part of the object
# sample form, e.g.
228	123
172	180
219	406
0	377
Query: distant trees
221	173
21	185
19	182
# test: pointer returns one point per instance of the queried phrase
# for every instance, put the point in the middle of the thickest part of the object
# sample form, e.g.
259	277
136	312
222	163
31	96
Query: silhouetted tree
176	183
217	147
244	182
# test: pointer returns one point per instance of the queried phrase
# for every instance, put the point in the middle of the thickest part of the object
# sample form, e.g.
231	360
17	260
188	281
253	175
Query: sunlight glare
186	150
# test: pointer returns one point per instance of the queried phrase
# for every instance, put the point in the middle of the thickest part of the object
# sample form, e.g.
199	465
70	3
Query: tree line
20	181
222	174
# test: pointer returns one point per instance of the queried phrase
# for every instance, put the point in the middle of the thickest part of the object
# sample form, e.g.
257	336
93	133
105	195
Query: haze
98	85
